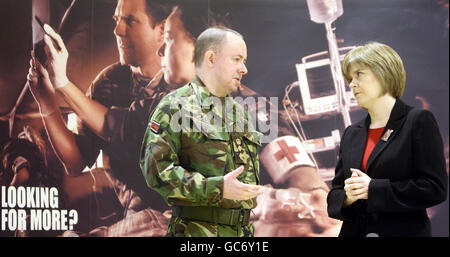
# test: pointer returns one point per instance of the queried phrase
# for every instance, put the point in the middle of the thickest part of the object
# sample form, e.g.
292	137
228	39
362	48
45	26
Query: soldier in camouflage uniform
208	172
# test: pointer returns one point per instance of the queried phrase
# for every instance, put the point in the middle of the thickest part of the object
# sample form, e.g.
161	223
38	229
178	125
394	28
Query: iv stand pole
339	84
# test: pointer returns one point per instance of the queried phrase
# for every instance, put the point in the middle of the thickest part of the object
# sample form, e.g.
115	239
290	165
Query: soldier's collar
200	87
201	92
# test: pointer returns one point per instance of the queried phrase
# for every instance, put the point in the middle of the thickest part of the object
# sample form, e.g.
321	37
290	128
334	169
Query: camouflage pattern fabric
186	166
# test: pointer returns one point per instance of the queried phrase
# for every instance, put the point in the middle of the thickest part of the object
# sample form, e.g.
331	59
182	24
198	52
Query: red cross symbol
286	151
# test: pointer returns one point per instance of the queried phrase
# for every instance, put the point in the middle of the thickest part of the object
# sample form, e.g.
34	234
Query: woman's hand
356	187
350	198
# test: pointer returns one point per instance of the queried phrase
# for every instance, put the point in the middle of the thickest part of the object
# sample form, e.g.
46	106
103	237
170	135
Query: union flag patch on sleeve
155	127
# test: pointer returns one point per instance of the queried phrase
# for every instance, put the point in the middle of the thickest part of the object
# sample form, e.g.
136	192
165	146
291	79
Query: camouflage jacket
186	163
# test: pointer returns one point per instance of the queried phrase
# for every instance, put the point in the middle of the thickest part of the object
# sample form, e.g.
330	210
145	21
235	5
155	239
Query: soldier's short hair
211	39
385	63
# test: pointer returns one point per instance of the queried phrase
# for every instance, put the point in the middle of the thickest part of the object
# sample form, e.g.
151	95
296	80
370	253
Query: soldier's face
177	51
229	65
137	38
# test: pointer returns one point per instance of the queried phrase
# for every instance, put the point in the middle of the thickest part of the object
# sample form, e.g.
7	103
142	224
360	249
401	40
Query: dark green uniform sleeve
162	170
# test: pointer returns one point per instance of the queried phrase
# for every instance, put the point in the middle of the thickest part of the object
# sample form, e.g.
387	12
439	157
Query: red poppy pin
155	127
387	134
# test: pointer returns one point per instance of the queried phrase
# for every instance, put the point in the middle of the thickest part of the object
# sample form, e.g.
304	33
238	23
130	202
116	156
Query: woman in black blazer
391	164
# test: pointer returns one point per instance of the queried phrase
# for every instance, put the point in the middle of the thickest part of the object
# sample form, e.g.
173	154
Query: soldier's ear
210	58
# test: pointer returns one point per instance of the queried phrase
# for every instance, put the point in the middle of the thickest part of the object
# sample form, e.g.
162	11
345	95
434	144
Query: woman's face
365	86
177	52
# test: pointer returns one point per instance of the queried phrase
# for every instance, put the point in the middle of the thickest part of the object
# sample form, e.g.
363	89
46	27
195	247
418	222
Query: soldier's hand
57	57
233	189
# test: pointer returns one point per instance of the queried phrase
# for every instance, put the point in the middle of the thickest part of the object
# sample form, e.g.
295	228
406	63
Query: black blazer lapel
359	143
395	122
